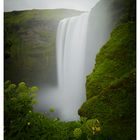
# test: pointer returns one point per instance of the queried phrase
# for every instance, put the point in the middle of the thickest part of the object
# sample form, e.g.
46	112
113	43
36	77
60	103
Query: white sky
83	5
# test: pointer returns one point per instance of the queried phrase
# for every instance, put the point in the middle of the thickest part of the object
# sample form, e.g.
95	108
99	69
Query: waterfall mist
69	95
102	19
71	45
78	41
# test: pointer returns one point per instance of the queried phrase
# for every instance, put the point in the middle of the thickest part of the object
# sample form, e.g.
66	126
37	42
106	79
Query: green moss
111	87
115	59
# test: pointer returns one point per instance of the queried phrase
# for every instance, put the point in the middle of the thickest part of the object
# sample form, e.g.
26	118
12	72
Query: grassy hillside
111	87
29	42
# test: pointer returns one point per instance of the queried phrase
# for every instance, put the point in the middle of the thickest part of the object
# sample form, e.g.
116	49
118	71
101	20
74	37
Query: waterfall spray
71	45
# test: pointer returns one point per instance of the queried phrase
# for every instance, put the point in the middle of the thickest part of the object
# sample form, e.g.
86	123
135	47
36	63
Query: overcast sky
10	5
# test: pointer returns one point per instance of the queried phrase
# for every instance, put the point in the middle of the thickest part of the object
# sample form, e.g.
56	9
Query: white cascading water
71	45
77	47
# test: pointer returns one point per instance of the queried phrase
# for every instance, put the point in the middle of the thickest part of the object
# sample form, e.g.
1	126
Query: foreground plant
21	122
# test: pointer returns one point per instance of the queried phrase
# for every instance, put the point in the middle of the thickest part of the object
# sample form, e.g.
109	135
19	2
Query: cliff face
110	88
29	42
103	18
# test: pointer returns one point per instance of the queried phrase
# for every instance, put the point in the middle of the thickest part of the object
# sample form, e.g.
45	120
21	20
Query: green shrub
21	122
77	132
18	101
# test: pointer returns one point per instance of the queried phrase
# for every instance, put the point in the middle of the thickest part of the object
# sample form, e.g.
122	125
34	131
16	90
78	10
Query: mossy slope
111	89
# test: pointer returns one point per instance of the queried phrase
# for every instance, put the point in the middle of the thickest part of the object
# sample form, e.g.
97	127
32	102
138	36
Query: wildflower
30	111
93	128
93	125
98	129
28	123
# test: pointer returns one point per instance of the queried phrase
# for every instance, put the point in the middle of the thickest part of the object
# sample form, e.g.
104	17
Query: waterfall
76	47
71	45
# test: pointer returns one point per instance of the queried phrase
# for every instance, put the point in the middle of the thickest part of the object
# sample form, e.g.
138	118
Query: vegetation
111	87
29	42
21	122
